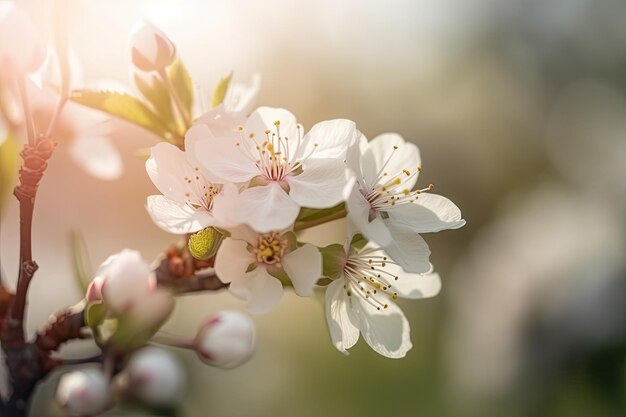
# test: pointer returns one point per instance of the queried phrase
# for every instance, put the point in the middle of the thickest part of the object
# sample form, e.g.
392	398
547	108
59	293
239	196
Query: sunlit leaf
182	84
123	106
157	95
220	90
9	160
80	260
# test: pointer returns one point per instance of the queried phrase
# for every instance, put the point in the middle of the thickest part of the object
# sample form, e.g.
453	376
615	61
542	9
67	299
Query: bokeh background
519	110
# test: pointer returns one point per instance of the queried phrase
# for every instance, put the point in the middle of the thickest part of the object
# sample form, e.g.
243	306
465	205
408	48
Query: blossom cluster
260	179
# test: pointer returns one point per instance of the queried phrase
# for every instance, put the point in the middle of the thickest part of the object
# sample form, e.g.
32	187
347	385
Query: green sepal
358	241
182	84
80	260
334	259
123	106
220	91
95	313
310	214
204	244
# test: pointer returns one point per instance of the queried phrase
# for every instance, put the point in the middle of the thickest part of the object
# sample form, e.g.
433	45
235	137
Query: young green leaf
123	106
9	159
153	90
80	260
182	84
220	90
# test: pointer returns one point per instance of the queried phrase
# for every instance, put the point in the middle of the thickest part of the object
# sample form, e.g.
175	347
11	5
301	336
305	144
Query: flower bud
94	290
156	377
151	49
226	339
84	393
126	280
22	49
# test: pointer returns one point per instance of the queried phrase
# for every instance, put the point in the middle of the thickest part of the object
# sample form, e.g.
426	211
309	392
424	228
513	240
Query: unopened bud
22	49
156	377
84	393
126	280
94	290
226	339
151	49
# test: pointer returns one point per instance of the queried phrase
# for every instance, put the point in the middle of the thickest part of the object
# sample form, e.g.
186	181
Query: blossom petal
320	185
353	156
260	289
169	169
264	118
329	139
395	154
408	248
266	208
359	211
429	213
304	268
387	330
97	156
232	260
342	326
175	217
240	98
220	157
414	286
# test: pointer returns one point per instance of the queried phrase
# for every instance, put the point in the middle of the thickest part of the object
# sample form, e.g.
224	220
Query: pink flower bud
94	290
84	392
151	49
156	377
22	50
126	280
226	339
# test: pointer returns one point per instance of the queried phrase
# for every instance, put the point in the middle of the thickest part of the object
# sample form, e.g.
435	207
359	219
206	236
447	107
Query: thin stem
316	222
28	117
177	101
56	115
172	341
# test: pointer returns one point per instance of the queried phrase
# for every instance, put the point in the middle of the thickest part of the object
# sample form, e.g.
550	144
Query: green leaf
123	106
155	92
204	244
333	258
182	84
80	260
308	214
95	313
9	160
220	90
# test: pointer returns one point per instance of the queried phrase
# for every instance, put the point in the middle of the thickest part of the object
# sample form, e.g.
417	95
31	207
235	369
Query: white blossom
384	208
361	301
281	168
22	50
250	262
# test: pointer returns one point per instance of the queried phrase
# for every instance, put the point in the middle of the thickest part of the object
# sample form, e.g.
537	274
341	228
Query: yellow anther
240	128
277	123
267	132
407	172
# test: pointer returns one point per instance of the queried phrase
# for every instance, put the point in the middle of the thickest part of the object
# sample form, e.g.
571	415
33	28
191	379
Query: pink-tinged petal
264	118
304	268
408	249
267	208
320	185
329	139
221	159
97	156
232	260
393	153
245	233
342	325
151	310
261	290
429	213
386	330
353	156
225	206
220	123
177	218
359	212
127	279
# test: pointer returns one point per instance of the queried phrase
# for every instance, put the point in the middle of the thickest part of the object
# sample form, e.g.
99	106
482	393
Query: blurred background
519	110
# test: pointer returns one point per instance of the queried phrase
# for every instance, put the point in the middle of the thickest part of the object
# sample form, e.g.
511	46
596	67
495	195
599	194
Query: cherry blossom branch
301	225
